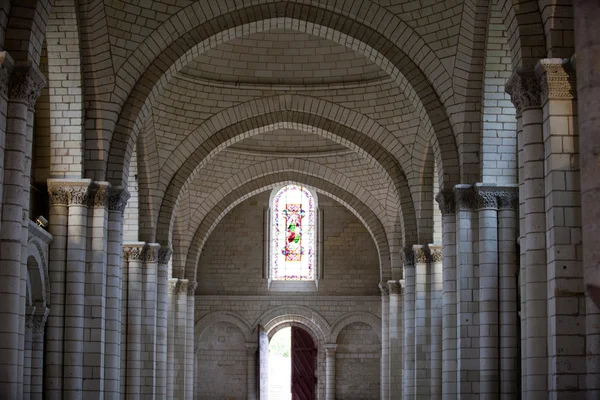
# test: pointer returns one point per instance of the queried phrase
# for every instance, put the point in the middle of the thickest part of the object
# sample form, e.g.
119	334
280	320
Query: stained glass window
293	215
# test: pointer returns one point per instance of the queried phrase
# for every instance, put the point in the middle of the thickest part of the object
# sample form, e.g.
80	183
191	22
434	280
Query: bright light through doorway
280	365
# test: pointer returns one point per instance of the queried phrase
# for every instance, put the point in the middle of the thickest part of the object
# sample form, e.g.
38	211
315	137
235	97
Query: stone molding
117	199
446	202
394	288
557	79
26	83
524	89
69	192
482	196
383	288
164	255
408	257
6	69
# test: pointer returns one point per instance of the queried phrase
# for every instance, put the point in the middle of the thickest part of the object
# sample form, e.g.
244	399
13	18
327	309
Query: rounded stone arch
223	316
347	319
349	128
304	316
249	189
525	29
271	167
25	30
37	271
392	45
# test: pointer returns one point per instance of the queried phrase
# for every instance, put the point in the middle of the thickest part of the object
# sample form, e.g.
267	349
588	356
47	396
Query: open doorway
292	365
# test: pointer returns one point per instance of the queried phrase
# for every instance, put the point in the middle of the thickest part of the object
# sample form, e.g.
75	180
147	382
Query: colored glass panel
293	234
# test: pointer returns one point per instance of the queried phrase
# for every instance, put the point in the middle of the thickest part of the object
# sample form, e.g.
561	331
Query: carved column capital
150	253
251	349
408	257
557	79
191	289
26	83
524	89
6	68
383	288
117	198
99	194
181	287
69	192
36	322
487	196
465	197
436	254
164	255
508	198
133	251
422	254
330	350
395	288
446	202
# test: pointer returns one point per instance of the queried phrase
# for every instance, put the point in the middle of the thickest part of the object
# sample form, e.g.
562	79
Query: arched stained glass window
293	234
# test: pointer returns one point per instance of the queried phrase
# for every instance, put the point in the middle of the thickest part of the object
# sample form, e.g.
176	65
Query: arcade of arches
449	245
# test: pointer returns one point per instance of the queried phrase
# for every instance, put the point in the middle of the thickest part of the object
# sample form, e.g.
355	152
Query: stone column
117	199
396	338
508	270
566	298
446	203
409	324
385	344
171	321
148	321
26	85
330	371
180	330
422	323
189	341
435	313
467	289
77	198
164	255
263	354
488	292
28	349
133	255
251	353
95	293
36	328
524	90
587	48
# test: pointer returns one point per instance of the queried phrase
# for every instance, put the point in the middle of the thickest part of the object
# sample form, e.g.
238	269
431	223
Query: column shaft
385	344
148	322
251	352
409	324
422	325
330	372
263	354
189	342
133	253
161	322
396	339
180	339
436	287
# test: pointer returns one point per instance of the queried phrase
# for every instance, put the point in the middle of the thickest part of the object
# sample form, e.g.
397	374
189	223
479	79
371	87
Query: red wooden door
304	365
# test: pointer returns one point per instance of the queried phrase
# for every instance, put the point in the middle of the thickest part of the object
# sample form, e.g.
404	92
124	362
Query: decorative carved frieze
65	192
164	255
446	202
6	69
394	287
508	198
487	197
524	89
383	287
117	199
408	257
26	83
557	79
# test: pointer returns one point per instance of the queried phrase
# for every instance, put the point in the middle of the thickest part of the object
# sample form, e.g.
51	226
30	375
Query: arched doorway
292	365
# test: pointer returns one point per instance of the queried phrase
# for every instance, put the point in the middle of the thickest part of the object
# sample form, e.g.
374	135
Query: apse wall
232	260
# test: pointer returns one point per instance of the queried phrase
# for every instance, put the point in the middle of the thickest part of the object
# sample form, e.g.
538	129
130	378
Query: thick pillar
251	354
488	292
467	291
27	354
133	257
524	90
422	323
587	48
396	338
179	360
189	341
385	344
508	296
117	199
409	324
171	321
263	356
148	323
446	203
330	371
164	255
26	83
435	314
